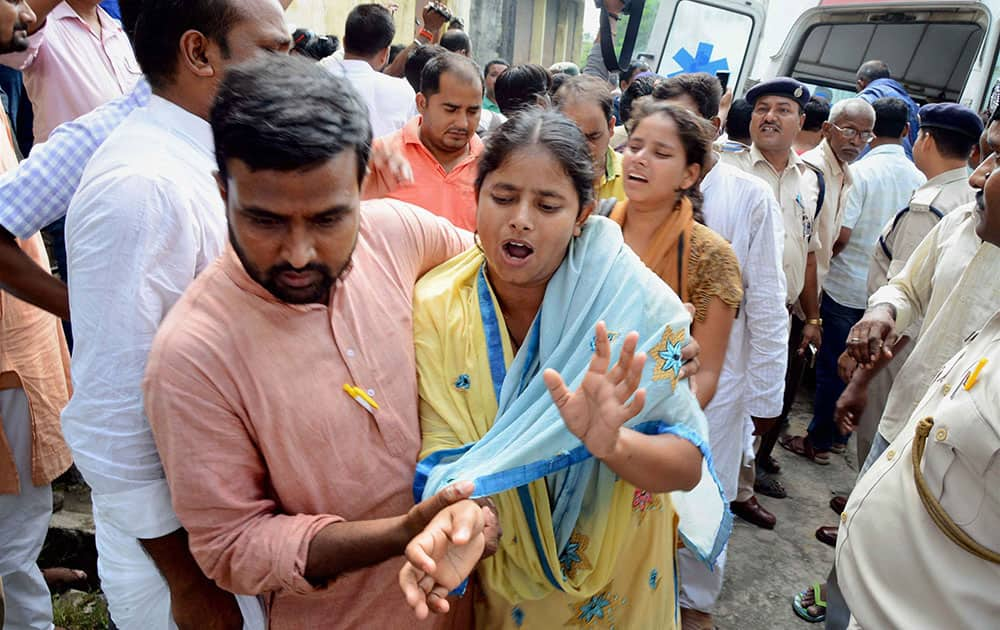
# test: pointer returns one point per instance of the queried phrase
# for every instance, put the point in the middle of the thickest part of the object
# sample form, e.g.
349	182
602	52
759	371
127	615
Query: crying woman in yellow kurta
581	471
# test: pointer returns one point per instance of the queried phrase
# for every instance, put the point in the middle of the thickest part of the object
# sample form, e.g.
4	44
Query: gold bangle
815	321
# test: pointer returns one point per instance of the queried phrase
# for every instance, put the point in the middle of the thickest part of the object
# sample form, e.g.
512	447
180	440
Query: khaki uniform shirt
951	281
896	568
797	191
838	184
900	236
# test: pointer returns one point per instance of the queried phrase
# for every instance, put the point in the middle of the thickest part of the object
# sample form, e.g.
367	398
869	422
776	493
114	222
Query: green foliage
80	611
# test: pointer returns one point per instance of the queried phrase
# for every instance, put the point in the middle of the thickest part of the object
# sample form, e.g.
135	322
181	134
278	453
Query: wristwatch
815	321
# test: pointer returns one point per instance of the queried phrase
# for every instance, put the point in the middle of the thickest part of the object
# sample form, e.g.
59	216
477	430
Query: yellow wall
328	16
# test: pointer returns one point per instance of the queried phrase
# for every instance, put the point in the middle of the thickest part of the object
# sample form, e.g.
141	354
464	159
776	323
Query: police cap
953	117
780	86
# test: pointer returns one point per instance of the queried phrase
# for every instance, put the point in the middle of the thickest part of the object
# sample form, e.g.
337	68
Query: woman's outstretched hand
596	411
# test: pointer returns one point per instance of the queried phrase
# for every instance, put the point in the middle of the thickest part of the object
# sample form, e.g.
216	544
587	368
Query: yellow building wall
328	16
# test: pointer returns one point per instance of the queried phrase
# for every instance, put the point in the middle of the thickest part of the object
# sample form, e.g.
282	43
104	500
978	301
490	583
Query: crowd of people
349	335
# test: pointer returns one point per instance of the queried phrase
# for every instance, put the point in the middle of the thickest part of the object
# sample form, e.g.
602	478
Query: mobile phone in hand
723	77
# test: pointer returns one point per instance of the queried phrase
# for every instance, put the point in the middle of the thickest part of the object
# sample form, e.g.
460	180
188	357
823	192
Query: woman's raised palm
596	411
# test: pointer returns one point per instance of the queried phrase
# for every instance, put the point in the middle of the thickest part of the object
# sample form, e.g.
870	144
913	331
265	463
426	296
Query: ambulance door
702	36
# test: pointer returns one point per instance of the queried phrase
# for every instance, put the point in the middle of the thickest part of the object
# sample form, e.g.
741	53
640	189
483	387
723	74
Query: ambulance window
705	38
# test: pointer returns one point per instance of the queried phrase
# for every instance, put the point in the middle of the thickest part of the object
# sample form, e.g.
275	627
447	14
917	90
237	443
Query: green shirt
490	105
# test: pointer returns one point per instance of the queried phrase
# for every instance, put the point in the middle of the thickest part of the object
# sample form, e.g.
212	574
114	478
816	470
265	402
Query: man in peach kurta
440	145
290	486
34	387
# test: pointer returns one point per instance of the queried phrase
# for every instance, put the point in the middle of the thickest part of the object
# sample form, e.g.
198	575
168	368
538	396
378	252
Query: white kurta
743	210
146	219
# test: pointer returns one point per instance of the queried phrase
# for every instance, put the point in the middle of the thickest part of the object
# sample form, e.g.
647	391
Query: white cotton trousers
729	432
24	522
138	595
700	586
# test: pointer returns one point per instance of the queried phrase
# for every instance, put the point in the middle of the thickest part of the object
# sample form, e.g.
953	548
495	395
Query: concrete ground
766	568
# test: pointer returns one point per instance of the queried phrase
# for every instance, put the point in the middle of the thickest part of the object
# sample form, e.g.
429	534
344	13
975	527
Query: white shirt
742	209
897	569
145	221
951	279
884	181
391	101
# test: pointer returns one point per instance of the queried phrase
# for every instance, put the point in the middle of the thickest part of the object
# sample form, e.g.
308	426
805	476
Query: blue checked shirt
39	190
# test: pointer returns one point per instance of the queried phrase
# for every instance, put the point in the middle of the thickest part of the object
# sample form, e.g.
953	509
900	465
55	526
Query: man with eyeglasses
845	135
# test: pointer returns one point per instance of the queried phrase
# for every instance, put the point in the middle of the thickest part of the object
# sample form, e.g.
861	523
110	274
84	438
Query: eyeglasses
850	134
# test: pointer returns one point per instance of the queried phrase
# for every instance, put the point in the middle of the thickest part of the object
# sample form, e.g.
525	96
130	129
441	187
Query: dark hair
309	44
557	80
633	69
494	62
585	88
456	41
458	65
417	60
129	10
817	112
891	116
369	30
951	144
537	127
456	23
394	51
738	120
286	113
521	86
704	89
872	70
157	27
642	86
695	135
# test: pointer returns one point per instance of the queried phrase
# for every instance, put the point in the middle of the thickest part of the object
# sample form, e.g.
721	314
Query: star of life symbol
700	62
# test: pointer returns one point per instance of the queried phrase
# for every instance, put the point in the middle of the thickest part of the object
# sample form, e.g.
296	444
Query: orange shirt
449	195
261	446
33	357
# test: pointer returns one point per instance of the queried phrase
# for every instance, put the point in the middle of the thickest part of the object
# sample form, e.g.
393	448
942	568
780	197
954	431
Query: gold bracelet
815	321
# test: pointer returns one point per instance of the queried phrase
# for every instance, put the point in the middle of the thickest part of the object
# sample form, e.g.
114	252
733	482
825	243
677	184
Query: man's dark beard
319	293
19	38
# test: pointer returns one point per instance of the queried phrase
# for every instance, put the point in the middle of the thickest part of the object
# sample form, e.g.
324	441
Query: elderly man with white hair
846	134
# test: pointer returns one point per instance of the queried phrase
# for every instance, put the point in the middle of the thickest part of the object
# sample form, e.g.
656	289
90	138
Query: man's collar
885	149
178	120
411	135
836	168
358	65
949	177
612	166
63	11
756	156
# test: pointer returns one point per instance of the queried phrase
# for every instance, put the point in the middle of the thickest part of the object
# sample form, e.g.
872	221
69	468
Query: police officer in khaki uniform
947	287
920	536
776	119
941	154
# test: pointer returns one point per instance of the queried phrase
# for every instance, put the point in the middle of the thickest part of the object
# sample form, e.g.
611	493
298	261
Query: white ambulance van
940	50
